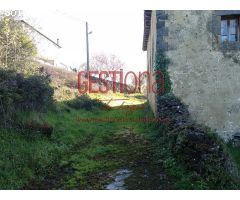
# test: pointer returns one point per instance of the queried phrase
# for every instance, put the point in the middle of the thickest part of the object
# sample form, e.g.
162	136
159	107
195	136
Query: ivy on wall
162	77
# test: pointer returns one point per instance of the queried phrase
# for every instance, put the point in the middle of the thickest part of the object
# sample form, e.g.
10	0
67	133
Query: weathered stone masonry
204	72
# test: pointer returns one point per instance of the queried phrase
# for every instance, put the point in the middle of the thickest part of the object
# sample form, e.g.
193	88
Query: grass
235	153
129	99
86	154
27	158
22	157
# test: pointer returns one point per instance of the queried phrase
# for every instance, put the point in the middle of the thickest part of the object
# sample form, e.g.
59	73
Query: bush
85	102
24	93
36	92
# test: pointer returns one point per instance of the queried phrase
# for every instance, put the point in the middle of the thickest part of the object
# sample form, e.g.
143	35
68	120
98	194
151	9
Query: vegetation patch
85	102
196	147
23	93
87	155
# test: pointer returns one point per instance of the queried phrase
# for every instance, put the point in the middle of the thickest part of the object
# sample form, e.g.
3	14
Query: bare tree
104	62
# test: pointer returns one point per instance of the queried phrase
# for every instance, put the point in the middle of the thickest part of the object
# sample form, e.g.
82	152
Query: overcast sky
113	32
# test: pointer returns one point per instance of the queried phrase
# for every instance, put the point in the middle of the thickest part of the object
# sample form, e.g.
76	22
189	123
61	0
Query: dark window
230	28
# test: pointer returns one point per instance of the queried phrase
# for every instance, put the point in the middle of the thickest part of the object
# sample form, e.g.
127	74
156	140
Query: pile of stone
171	107
195	145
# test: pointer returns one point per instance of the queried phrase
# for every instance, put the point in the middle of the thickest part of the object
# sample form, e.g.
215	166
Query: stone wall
205	75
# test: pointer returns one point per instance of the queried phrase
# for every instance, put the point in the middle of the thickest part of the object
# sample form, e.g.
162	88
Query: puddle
118	183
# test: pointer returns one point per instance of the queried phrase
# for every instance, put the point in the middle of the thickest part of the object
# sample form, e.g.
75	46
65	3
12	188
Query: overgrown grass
86	154
179	177
22	157
27	158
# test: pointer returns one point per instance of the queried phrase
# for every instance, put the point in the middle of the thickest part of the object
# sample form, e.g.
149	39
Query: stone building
203	48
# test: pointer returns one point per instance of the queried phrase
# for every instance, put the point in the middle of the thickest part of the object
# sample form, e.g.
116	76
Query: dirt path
137	168
142	169
111	155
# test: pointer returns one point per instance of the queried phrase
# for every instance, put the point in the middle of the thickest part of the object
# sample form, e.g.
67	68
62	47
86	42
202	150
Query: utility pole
87	46
87	33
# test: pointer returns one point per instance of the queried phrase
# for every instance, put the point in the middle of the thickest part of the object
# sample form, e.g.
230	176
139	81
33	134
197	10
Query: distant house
203	48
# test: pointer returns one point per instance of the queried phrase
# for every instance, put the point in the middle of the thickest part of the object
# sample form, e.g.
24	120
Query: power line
70	16
55	43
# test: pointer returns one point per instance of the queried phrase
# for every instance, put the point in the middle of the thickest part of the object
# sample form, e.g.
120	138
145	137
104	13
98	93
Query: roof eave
147	26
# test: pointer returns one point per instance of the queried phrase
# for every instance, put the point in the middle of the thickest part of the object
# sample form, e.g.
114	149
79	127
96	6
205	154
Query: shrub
24	93
85	102
36	92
